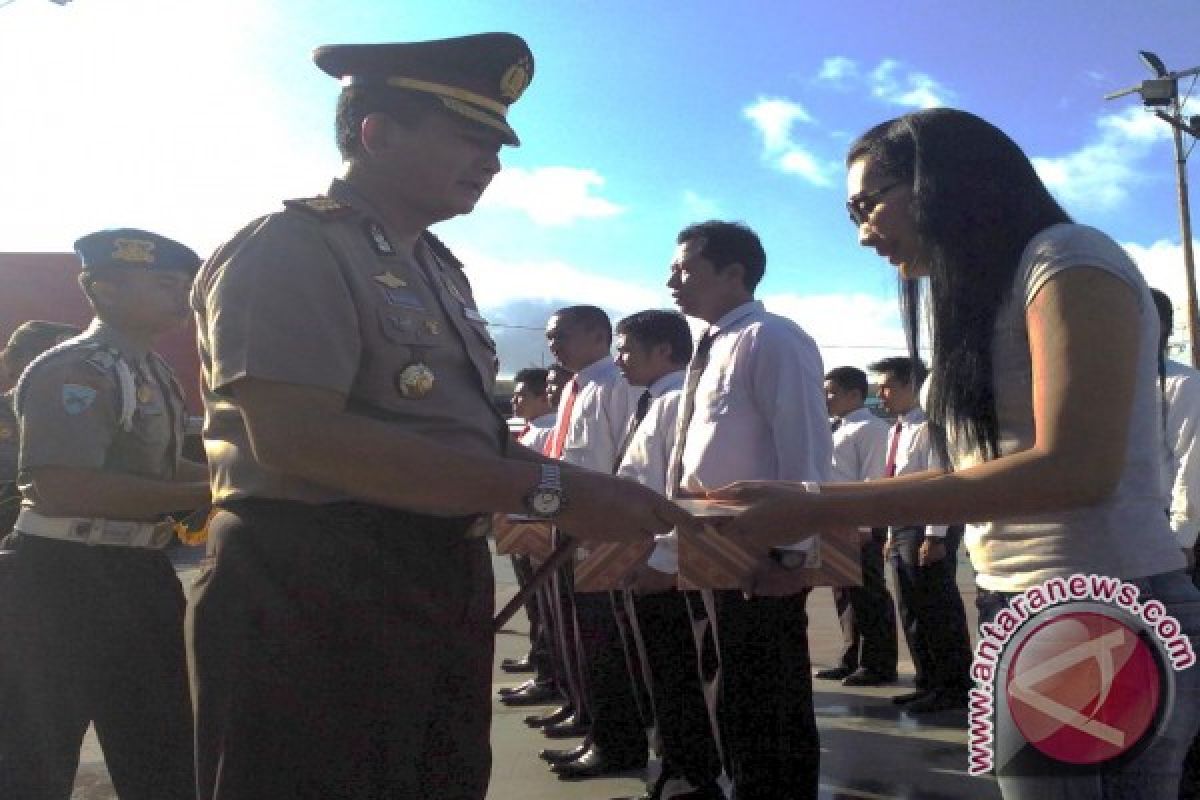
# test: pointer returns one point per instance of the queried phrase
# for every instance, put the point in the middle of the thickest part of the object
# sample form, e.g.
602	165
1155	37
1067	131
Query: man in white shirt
1181	475
866	613
594	414
653	349
924	558
752	409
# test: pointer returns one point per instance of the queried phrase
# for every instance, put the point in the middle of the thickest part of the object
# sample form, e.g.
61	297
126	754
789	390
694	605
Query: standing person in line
924	558
340	635
865	613
530	404
596	408
1032	316
27	342
653	351
557	378
1181	476
93	609
752	409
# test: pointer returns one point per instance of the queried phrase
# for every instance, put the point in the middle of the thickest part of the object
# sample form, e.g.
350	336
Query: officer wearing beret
340	640
94	611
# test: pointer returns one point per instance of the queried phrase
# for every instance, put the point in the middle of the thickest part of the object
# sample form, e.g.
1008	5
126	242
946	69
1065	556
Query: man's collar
858	414
101	331
665	383
736	315
596	370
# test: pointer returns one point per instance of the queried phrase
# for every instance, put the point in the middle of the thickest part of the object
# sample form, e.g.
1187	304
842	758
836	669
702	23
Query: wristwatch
546	500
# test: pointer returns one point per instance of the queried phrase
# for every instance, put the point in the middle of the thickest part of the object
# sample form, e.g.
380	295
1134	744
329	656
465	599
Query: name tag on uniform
474	315
405	298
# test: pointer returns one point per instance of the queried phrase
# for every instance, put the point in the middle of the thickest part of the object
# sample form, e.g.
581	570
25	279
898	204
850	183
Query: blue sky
191	118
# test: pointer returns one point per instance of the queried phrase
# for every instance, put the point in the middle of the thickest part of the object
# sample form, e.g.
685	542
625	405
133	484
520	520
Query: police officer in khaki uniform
27	342
93	609
340	641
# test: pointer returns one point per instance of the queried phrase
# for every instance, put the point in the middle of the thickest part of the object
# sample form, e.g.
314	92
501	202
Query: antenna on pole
1161	95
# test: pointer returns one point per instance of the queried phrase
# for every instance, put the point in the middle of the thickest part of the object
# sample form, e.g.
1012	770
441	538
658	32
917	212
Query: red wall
46	286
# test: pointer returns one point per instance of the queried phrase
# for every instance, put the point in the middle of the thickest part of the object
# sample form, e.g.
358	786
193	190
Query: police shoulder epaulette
320	206
102	359
442	252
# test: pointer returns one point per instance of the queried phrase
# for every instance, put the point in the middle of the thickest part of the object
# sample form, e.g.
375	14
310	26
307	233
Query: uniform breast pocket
412	330
717	397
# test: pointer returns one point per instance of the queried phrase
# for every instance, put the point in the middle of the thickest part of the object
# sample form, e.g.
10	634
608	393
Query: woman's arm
1083	340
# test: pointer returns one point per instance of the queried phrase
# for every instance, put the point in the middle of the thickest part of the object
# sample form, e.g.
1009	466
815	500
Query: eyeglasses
860	207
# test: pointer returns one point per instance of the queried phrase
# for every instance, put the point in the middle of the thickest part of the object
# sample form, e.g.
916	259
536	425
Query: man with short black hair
531	403
866	614
752	409
924	557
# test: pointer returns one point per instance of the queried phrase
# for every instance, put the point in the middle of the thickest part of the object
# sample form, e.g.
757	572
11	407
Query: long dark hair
976	203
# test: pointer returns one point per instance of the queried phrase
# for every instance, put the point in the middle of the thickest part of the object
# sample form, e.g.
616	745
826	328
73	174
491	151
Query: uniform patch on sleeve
77	398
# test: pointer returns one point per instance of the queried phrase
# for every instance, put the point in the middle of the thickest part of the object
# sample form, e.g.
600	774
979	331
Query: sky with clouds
192	118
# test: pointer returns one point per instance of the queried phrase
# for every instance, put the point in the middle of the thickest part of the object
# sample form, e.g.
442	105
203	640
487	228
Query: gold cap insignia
389	280
514	80
415	381
135	251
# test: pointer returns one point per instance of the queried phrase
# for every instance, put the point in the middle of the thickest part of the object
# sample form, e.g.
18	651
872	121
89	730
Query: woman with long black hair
1043	397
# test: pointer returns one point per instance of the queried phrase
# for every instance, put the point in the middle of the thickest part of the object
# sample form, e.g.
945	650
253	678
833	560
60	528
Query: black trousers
93	634
341	651
765	714
539	636
931	611
617	726
867	616
688	748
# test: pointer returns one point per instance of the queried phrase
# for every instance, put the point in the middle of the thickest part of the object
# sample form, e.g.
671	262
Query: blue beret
130	247
477	77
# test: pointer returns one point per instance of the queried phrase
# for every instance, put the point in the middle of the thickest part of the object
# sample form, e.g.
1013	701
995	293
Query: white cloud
893	84
1162	265
776	119
1098	176
697	207
837	70
550	196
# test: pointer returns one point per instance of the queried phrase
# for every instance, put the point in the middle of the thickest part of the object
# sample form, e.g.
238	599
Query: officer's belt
114	532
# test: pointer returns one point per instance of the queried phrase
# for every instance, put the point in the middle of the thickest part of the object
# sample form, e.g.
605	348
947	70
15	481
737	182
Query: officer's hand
932	550
603	508
645	579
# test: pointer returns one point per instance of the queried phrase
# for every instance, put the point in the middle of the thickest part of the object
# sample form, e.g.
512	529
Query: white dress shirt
649	456
860	447
1181	392
539	432
759	410
600	416
914	452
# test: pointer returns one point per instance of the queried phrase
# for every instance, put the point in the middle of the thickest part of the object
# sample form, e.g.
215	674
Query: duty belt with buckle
96	531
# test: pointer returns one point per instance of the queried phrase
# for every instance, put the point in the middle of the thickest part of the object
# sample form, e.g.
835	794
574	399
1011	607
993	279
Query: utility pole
1159	93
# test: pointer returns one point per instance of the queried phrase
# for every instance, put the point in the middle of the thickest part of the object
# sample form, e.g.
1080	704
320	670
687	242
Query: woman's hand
776	512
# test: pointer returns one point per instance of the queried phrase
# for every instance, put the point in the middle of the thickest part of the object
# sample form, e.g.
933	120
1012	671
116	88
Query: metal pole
1185	226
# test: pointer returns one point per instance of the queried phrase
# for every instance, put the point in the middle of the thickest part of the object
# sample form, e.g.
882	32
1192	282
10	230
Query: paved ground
868	749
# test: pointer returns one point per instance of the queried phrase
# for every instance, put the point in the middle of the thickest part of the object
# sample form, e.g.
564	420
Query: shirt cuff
665	557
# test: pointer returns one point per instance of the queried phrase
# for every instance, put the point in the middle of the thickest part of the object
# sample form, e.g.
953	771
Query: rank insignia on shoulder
77	398
379	239
388	280
321	206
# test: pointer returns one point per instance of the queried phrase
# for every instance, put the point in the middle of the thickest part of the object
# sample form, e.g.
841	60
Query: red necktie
554	445
889	467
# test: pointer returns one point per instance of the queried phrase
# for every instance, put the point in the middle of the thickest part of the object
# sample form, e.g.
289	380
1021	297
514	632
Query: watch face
545	503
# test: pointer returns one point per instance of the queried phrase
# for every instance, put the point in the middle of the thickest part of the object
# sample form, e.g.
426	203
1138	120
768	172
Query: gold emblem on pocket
415	381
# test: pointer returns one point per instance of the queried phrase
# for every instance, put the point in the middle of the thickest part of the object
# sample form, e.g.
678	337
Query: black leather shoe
938	700
595	764
869	677
571	726
505	691
832	674
553	718
909	697
536	695
517	665
563	756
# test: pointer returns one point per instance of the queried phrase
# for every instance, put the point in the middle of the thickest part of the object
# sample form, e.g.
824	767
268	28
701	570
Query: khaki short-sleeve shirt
319	296
73	412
